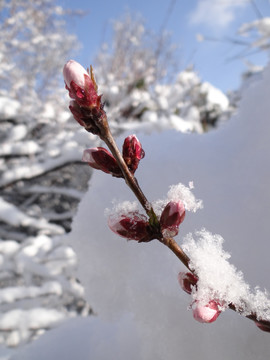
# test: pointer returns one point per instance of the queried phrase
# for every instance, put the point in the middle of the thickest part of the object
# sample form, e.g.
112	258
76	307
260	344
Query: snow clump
219	279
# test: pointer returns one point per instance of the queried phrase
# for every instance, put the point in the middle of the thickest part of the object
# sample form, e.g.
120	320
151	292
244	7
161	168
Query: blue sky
217	19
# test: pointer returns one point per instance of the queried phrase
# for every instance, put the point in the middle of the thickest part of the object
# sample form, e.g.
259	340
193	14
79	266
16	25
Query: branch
88	110
37	189
13	216
27	172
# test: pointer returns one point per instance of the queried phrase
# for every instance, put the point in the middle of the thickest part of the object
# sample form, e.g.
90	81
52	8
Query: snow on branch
29	147
10	214
218	279
76	194
29	171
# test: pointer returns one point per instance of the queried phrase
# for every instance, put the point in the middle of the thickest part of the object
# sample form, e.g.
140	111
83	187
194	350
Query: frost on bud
132	226
206	313
101	159
132	152
82	88
264	327
187	281
172	216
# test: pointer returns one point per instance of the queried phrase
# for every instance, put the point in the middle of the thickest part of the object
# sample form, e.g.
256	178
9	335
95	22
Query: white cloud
215	13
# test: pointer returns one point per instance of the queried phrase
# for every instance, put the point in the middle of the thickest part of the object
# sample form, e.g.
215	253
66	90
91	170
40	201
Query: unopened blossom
101	159
206	313
172	216
132	152
82	88
264	327
86	105
76	111
132	226
74	72
187	281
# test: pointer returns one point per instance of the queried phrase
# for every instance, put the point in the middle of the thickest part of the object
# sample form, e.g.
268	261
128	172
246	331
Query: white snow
32	319
54	190
8	108
215	96
183	193
18	132
11	294
176	193
24	148
261	27
39	280
10	214
218	279
122	208
69	154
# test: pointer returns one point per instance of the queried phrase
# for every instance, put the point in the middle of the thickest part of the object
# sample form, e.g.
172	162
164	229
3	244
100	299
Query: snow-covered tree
37	195
32	49
36	132
140	82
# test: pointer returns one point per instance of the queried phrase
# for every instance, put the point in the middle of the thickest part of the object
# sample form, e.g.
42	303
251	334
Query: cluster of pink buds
86	105
135	226
87	110
204	313
101	159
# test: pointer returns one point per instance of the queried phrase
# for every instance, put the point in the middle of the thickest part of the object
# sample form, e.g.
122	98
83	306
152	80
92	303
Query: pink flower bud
262	326
172	216
73	71
76	112
82	87
132	152
206	313
133	226
187	281
101	159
